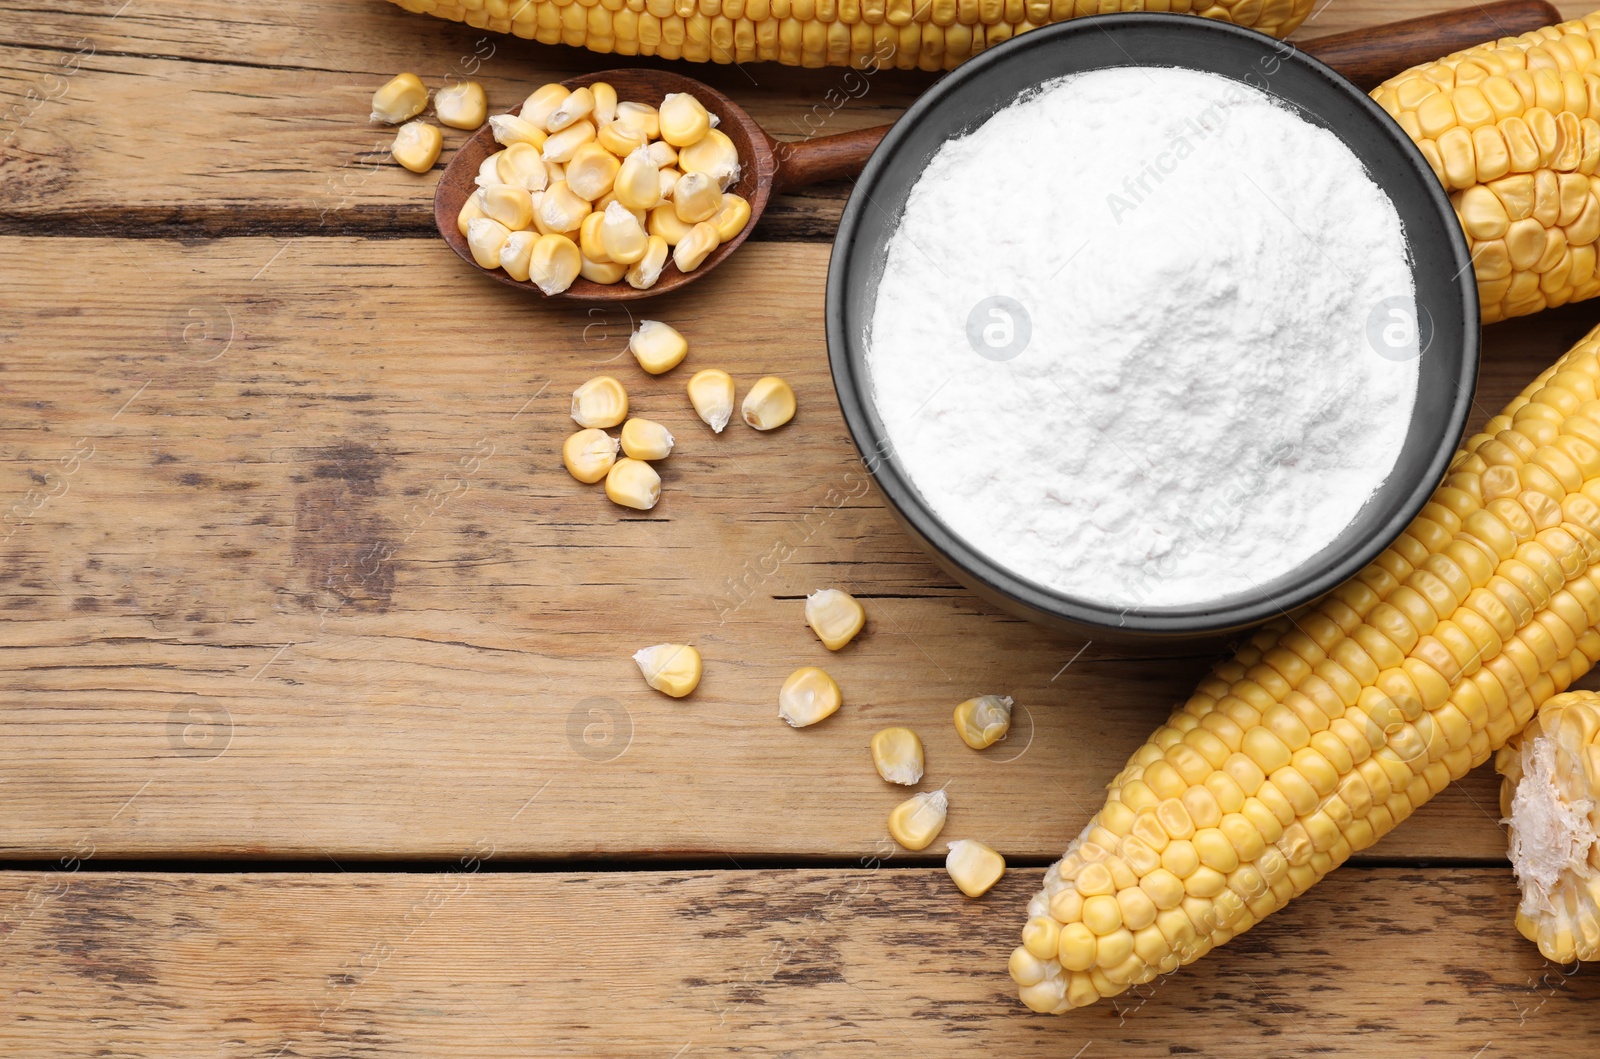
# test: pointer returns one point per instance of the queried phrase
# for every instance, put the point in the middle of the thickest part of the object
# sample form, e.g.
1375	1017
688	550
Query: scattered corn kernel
897	755
606	272
485	237
809	695
645	439
643	273
641	116
683	119
461	106
554	264
578	105
600	402
711	393
561	210
671	668
605	103
517	253
521	166
589	454
713	155
471	210
695	247
696	198
561	146
732	217
624	238
769	404
975	868
542	103
508	129
633	483
834	616
917	821
403	98
658	346
417	145
621	140
592	171
983	721
638	182
665	223
511	206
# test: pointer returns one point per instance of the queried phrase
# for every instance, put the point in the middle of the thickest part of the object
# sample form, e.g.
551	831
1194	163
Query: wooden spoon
770	167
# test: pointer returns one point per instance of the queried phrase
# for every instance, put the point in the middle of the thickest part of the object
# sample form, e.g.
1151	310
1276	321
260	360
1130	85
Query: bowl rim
852	382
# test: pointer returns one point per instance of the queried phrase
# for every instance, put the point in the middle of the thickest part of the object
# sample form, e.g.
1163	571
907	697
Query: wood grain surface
1385	962
290	574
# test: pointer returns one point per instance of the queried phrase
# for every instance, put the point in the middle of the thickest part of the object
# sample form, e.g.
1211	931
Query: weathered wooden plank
220	118
292	562
1373	962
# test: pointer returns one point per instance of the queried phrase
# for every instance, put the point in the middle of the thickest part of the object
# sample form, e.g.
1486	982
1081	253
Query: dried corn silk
1146	337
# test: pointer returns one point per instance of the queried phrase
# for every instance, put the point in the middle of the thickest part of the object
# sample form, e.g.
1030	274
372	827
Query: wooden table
321	736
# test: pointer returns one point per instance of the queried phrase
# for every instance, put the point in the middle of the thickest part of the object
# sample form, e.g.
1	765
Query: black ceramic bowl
1446	294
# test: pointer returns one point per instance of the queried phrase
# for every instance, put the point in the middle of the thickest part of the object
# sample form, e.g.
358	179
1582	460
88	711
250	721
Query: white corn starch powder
1146	337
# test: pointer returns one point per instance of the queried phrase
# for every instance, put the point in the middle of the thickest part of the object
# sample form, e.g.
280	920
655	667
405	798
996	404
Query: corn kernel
511	206
834	616
809	695
696	198
509	129
578	105
606	272
471	210
732	217
554	264
695	247
640	116
489	171
671	668
521	166
897	755
561	210
561	146
917	821
1041	936
645	439
658	346
984	721
643	273
516	254
542	103
461	106
403	98
589	241
713	155
769	404
711	393
621	140
589	454
638	182
591	172
633	483
665	223
417	145
624	240
1026	968
683	119
600	402
605	103
976	868
663	154
485	237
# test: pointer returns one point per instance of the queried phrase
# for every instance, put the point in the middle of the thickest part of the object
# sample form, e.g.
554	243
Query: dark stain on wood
343	546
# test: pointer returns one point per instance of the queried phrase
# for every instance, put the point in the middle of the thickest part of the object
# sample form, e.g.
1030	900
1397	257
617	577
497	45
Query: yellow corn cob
1510	129
1326	730
908	34
1551	798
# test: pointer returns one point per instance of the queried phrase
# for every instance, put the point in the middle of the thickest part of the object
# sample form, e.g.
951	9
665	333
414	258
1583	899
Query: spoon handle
1365	56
